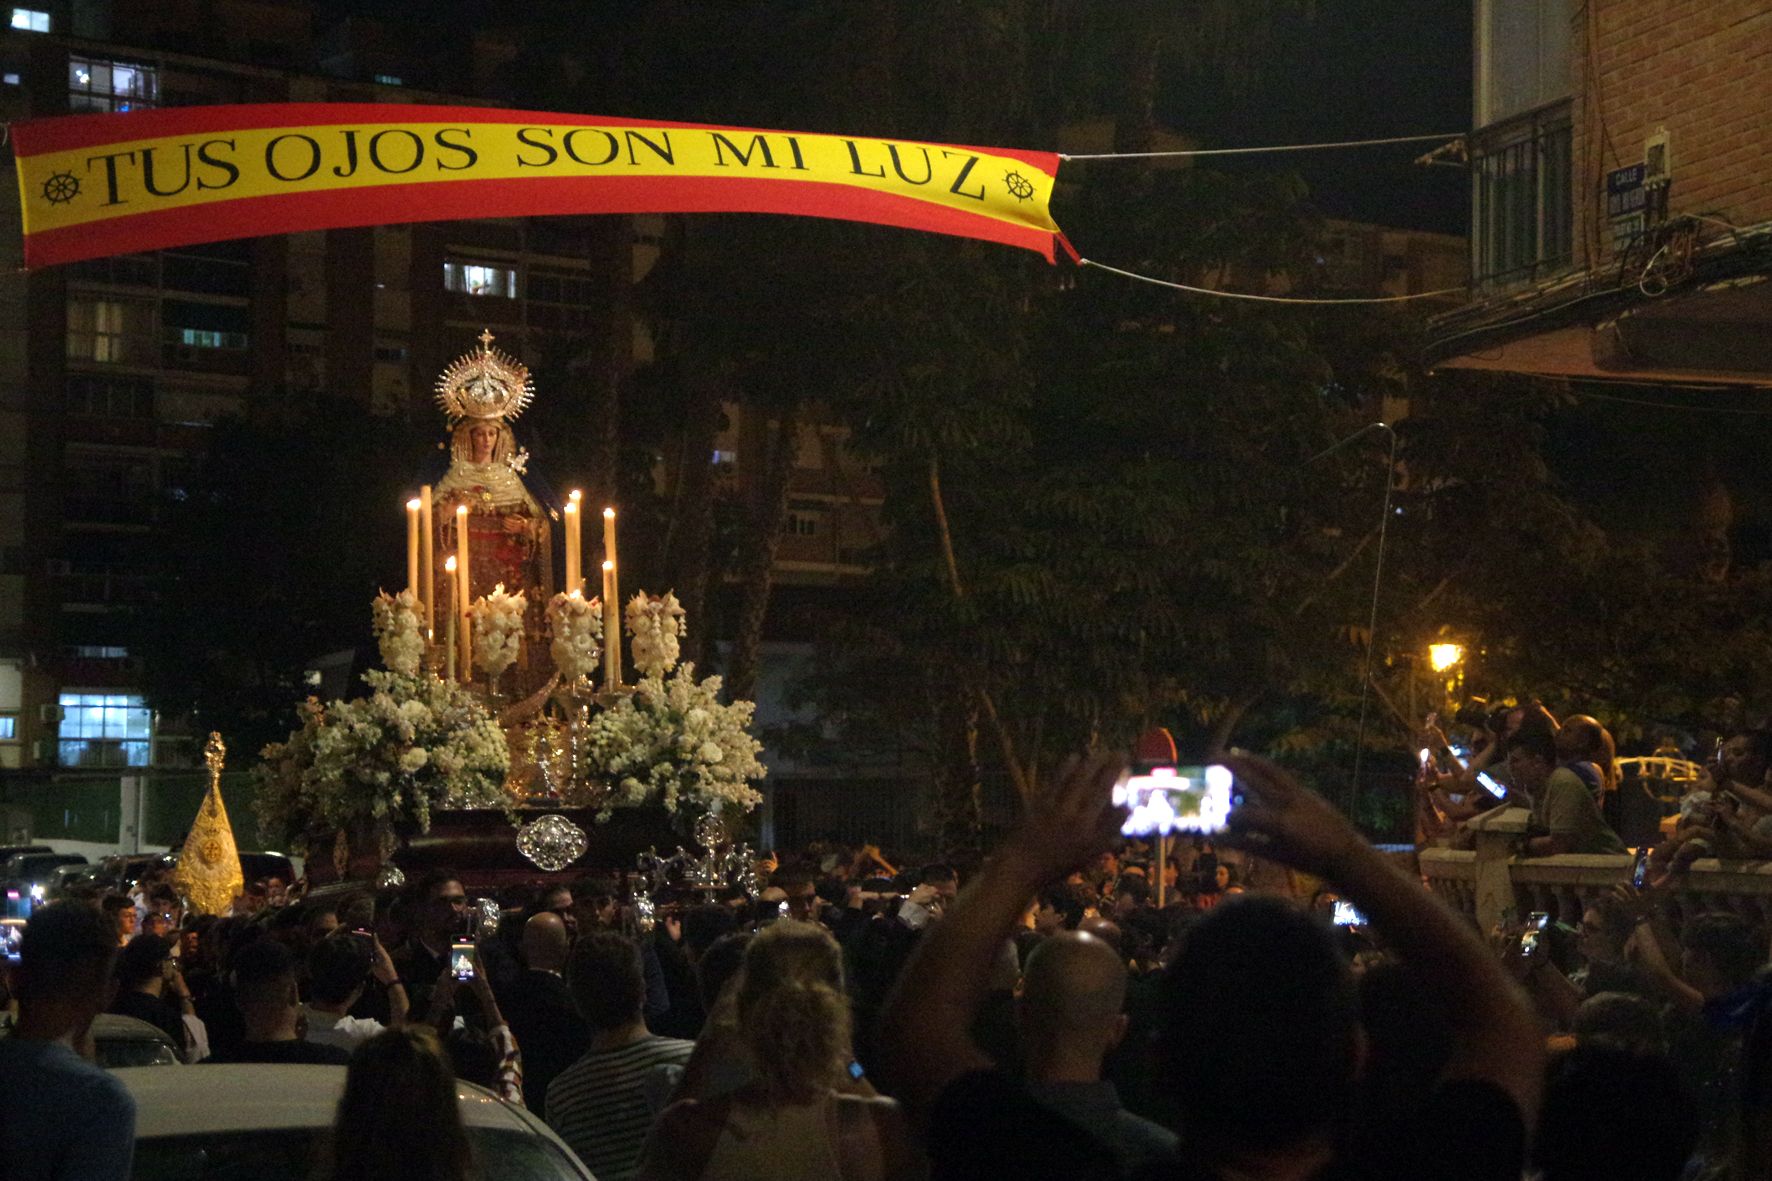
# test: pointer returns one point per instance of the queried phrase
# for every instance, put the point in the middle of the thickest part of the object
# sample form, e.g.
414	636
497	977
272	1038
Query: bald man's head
546	947
1072	997
1073	979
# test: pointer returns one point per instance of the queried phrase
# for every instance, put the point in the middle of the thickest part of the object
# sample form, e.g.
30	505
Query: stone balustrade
1563	886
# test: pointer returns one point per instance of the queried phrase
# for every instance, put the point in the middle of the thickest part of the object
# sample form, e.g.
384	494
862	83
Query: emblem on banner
61	187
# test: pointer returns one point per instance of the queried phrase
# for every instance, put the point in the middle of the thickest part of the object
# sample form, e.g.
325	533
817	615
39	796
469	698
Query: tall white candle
412	583
574	519
611	630
428	561
454	587
464	590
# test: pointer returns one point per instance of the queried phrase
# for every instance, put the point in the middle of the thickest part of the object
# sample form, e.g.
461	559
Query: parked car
64	877
29	873
268	1122
8	852
260	866
120	1041
121	871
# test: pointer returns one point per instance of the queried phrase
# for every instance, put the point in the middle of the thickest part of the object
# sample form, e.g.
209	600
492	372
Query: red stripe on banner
61	133
251	217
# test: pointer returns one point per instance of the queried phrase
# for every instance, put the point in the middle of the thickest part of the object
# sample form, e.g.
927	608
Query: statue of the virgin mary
509	512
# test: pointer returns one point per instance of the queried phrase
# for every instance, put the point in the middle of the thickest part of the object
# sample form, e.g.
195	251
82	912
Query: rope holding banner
1102	266
1345	143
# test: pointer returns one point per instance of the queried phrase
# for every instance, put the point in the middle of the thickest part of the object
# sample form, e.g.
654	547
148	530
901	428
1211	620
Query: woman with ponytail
790	1123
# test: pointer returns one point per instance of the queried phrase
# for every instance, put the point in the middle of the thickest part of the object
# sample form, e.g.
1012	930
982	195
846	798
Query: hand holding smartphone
461	961
1177	799
1536	923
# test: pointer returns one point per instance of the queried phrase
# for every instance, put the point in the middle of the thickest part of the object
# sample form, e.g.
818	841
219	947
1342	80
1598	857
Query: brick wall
1700	68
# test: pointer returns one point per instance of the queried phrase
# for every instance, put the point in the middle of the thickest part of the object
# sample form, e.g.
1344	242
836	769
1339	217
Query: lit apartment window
30	20
725	458
390	80
202	338
474	279
8	727
97	85
104	730
100	652
112	331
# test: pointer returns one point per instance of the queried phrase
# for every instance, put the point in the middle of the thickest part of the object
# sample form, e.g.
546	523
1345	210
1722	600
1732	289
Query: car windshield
113	1052
292	1154
38	863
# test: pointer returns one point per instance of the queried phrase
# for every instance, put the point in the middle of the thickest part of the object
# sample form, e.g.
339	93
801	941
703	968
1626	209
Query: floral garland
414	744
498	629
674	739
656	625
397	631
576	623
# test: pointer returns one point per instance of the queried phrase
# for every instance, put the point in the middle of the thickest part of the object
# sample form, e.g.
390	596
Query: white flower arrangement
576	624
674	739
397	632
415	743
656	625
498	629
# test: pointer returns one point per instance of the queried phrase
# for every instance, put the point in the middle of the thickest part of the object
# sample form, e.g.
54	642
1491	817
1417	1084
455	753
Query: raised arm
1496	1035
926	1039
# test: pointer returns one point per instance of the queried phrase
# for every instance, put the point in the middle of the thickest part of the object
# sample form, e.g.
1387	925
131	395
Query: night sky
1358	69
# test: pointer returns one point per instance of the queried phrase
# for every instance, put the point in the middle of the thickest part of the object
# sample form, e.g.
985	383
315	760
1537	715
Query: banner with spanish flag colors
95	185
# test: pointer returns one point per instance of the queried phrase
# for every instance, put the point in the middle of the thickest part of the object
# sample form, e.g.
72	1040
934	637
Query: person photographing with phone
339	970
1261	1041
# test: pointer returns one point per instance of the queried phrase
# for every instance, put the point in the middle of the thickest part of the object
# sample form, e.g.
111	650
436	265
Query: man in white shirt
338	968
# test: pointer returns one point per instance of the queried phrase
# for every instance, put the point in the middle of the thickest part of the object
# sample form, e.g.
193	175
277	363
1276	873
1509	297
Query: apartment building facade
1621	193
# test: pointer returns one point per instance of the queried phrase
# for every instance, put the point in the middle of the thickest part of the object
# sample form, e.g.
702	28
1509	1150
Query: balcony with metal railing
1522	222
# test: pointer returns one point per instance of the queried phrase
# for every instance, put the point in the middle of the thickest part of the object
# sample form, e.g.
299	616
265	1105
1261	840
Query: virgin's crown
488	383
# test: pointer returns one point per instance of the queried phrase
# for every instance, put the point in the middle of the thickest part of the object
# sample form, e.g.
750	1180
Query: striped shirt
598	1105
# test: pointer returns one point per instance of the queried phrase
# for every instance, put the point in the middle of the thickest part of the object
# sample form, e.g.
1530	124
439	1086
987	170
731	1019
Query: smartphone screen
12	933
461	960
855	1070
1177	799
1536	922
1492	785
1641	873
1346	916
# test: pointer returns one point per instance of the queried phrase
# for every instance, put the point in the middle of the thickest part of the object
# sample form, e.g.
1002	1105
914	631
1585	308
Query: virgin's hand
1280	818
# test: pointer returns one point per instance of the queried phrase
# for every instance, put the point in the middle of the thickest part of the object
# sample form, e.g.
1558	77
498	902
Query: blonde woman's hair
792	1010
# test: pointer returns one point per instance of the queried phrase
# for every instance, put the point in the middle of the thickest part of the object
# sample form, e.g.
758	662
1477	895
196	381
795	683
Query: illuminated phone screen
1177	799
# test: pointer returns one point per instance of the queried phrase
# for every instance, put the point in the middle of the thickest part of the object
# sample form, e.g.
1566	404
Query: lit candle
574	542
609	537
412	546
611	630
428	560
449	619
464	588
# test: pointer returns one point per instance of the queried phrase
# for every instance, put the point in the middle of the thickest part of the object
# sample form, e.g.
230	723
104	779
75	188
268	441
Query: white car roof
236	1097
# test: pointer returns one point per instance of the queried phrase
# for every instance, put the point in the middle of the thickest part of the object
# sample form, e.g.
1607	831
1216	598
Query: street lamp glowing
1444	656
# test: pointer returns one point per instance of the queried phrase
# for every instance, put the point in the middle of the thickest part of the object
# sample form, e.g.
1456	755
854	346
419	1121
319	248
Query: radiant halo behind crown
487	384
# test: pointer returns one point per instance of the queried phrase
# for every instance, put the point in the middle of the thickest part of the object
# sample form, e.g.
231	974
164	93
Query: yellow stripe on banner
85	185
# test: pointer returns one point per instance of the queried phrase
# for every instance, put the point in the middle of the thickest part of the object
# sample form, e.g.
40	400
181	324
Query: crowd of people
1285	1002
